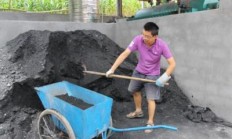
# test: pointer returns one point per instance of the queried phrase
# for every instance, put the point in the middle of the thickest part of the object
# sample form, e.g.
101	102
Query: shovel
121	76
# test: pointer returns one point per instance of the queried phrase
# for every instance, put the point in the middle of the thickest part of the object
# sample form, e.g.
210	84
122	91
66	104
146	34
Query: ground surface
37	58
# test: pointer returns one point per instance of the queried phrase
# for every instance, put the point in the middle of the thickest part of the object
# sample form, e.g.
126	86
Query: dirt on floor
37	58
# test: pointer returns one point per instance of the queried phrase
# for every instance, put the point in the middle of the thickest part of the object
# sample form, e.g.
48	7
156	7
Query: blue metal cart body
88	123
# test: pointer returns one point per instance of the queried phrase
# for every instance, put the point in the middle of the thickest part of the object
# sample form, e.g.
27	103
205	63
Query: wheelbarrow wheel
53	125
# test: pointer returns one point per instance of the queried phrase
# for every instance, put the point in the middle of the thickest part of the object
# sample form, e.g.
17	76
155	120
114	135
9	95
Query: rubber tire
60	117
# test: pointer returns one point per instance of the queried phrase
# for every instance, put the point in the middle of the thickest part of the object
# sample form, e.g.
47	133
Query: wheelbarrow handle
122	77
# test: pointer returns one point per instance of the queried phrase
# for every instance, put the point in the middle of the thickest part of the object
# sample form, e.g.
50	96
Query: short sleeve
133	46
166	51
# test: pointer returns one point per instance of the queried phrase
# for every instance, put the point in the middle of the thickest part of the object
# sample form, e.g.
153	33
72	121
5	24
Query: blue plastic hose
142	128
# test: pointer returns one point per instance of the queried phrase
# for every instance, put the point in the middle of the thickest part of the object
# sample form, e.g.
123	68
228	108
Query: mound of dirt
37	58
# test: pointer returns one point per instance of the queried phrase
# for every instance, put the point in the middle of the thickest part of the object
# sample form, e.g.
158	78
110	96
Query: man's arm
166	76
120	59
172	64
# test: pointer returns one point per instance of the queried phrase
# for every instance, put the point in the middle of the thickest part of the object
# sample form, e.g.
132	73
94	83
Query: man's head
150	32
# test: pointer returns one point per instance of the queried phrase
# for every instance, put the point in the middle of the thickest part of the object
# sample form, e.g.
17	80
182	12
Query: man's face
148	37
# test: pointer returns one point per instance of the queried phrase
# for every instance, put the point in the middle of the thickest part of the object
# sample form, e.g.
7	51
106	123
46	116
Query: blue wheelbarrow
63	120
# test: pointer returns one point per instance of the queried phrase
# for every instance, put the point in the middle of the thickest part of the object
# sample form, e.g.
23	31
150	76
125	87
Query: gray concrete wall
199	41
33	16
225	4
201	44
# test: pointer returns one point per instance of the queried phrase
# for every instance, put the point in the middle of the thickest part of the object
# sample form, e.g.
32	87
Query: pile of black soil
198	114
75	101
37	58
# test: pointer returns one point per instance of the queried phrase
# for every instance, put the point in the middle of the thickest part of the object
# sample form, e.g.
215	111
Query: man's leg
151	114
152	93
151	111
138	106
134	88
138	101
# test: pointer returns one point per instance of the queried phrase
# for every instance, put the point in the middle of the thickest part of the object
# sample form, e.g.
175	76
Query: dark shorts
152	91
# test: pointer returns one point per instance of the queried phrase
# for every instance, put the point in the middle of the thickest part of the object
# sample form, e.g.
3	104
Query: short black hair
152	27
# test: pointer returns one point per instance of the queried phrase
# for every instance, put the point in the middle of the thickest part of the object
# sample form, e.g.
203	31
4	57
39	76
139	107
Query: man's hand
162	80
109	72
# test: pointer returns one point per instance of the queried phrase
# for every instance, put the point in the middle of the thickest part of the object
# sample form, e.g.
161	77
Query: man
150	49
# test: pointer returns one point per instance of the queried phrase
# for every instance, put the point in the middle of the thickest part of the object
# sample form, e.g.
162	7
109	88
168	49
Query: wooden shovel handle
121	76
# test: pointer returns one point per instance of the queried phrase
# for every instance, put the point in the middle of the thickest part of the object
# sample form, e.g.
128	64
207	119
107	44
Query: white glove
109	72
162	80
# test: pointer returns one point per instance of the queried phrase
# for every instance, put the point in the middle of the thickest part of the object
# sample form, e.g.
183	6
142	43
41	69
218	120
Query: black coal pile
37	58
198	114
203	114
75	101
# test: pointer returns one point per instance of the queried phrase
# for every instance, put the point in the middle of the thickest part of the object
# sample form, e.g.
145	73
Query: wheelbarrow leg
104	135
